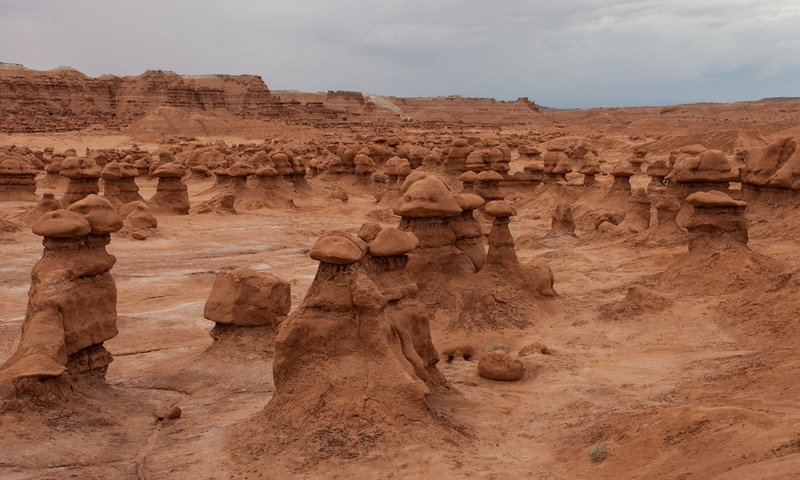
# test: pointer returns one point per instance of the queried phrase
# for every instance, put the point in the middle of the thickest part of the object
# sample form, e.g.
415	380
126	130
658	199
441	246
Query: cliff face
65	99
355	106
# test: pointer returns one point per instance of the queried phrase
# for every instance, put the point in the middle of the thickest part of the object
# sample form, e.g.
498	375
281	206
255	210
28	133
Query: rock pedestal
72	300
172	195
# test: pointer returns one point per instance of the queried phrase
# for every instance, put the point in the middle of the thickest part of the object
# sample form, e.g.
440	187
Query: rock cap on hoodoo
427	197
115	170
339	248
659	168
15	166
714	198
489	176
500	208
99	212
170	169
241	169
391	241
61	224
469	201
708	166
75	167
468	177
623	169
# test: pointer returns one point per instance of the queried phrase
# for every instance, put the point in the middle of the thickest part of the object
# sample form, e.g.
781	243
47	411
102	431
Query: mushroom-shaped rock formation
73	298
119	184
489	185
268	178
392	242
469	237
238	173
666	230
247	306
100	214
385	263
364	166
390	170
340	345
48	203
221	178
338	248
534	173
718	258
556	164
476	161
17	180
83	175
717	219
622	173
658	172
137	220
427	209
172	195
456	157
427	197
709	170
142	164
53	178
776	166
282	163
504	293
589	169
468	181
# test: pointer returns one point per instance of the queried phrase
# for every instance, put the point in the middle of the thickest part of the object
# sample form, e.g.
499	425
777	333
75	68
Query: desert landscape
226	281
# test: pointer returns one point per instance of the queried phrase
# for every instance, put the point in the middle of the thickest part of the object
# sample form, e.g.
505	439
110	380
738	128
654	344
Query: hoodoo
83	174
774	167
468	232
246	307
622	174
119	184
72	302
709	170
504	293
341	345
427	208
17	180
172	195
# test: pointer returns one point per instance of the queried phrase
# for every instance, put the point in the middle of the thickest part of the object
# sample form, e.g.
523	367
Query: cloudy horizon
592	53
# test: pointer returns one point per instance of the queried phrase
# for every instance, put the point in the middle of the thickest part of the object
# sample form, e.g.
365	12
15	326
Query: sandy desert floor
674	386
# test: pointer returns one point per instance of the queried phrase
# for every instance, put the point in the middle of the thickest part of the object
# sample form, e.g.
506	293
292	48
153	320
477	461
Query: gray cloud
581	53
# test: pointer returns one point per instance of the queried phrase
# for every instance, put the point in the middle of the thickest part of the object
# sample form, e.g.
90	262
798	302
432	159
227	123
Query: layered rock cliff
65	99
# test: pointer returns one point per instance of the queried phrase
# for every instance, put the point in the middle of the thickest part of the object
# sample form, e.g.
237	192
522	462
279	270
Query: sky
559	53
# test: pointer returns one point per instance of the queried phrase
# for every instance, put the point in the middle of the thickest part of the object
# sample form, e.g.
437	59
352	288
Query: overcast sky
561	53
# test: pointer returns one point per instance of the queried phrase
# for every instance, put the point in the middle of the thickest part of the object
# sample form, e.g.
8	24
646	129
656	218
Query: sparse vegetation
598	453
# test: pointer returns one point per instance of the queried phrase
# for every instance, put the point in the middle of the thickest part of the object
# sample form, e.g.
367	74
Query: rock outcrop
172	195
247	307
65	99
17	180
340	346
83	174
72	302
